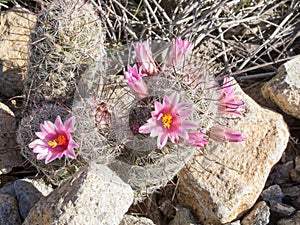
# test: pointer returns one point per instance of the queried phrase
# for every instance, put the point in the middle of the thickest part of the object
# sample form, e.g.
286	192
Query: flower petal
69	124
41	156
59	125
182	133
162	140
174	98
145	129
224	134
47	127
156	131
70	153
35	143
186	113
72	144
181	106
145	58
41	135
173	137
186	124
158	108
41	149
227	102
196	139
50	157
179	52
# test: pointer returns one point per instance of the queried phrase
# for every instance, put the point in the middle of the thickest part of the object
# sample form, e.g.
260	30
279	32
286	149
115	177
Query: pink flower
224	134
169	121
179	52
227	102
55	140
145	58
196	139
135	82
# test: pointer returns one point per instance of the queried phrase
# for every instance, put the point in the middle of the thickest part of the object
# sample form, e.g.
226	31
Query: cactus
57	171
65	41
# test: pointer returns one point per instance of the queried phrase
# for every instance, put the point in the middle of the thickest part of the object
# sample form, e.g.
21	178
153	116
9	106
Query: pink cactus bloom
228	102
169	121
196	139
180	51
135	82
224	134
55	140
145	58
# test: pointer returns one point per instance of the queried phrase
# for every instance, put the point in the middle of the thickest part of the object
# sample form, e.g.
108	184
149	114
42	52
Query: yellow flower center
167	120
60	140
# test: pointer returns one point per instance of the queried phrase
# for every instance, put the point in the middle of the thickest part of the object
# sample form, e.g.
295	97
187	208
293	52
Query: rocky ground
256	182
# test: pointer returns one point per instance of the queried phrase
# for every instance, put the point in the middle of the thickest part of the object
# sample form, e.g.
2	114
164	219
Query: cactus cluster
68	61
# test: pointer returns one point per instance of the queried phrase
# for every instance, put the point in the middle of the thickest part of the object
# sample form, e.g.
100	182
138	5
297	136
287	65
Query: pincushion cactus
58	170
65	41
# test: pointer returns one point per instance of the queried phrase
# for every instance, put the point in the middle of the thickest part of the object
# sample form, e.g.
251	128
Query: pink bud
228	102
179	52
224	134
135	82
145	58
196	139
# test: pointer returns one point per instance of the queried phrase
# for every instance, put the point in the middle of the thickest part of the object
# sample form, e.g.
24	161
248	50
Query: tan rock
133	220
226	181
9	153
15	27
284	88
255	92
95	195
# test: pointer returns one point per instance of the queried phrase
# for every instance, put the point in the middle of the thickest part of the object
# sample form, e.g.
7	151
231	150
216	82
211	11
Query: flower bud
224	134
